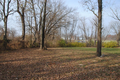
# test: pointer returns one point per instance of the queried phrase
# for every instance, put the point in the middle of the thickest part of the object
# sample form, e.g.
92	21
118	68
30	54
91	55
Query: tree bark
22	16
36	27
118	38
40	23
5	33
23	27
99	40
5	12
5	27
42	46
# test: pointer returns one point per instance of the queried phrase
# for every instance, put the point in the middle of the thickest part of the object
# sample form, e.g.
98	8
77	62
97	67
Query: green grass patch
111	50
104	50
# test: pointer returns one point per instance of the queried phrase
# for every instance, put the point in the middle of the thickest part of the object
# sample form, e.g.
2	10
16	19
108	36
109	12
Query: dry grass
58	64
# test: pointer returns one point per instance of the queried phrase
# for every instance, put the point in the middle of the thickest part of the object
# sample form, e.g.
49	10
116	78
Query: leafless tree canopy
51	19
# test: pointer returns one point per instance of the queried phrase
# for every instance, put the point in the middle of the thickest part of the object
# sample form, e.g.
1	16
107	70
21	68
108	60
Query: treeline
45	22
40	19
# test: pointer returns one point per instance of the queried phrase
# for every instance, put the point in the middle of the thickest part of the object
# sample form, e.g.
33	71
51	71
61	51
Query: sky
107	4
86	13
13	23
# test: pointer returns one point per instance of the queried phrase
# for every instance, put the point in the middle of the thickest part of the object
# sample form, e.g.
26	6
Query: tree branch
58	20
1	4
4	7
93	12
8	6
115	15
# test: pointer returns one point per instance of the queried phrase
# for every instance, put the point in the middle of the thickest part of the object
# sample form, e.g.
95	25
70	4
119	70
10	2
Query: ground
59	64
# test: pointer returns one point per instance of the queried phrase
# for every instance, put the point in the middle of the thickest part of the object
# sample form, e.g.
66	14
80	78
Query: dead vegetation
58	64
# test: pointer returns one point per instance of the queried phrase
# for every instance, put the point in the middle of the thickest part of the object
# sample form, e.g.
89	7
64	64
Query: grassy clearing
107	50
60	64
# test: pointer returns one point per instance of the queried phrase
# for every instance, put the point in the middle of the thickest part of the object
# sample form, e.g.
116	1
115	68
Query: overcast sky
13	22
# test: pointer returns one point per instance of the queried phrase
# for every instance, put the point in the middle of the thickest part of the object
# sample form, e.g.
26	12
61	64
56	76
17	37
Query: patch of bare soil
57	64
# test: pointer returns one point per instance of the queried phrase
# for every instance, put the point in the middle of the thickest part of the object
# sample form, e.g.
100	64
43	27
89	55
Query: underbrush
110	44
62	43
18	44
13	44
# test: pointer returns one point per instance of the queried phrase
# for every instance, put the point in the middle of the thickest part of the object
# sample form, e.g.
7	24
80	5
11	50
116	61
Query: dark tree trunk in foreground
42	46
99	40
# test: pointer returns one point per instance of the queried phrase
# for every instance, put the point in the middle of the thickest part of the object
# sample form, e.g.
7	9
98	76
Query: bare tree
73	26
66	29
99	41
43	27
84	28
35	9
35	20
94	23
57	14
40	23
115	26
4	13
29	25
115	14
44	21
56	17
21	5
92	6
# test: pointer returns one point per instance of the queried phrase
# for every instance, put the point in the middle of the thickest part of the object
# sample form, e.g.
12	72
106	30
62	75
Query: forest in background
61	26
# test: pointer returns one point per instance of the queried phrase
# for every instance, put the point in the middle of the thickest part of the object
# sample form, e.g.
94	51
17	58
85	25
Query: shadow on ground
57	64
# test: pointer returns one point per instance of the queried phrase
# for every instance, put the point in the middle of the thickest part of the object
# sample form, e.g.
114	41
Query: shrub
62	43
91	43
33	45
110	44
17	44
36	44
75	44
52	44
1	44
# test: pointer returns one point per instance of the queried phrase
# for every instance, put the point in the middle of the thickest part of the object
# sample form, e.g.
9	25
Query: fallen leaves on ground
58	64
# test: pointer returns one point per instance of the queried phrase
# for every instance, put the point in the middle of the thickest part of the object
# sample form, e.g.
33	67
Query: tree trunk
23	30
40	23
5	33
36	27
5	27
99	40
23	27
118	38
95	36
43	27
31	32
39	34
